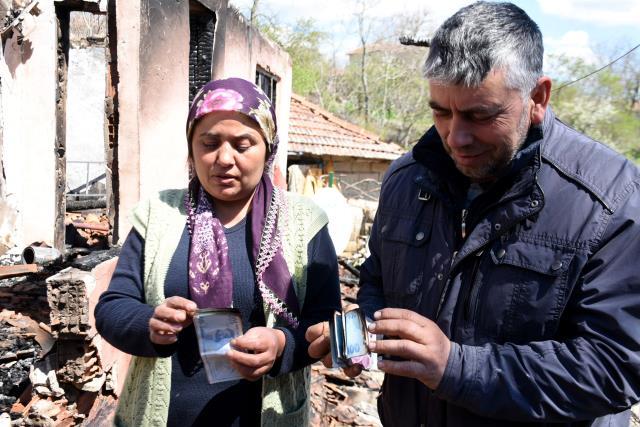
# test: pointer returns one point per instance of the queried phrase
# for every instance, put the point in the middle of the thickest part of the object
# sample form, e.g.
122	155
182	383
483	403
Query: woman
231	239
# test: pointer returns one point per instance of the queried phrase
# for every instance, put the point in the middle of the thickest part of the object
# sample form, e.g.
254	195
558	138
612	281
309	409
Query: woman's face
229	155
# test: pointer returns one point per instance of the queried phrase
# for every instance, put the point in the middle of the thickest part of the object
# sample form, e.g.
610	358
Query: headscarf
210	274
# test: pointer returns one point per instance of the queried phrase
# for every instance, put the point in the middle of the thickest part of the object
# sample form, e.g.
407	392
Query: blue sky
582	28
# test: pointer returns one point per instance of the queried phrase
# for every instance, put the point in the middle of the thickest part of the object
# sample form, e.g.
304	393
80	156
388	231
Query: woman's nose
225	155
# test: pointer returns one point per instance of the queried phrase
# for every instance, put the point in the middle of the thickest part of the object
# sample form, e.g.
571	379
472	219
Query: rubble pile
55	370
18	352
336	399
86	229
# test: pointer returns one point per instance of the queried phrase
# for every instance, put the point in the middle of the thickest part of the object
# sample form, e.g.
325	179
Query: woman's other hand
169	318
254	353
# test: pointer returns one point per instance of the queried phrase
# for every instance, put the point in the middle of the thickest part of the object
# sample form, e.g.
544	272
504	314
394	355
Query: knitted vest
146	394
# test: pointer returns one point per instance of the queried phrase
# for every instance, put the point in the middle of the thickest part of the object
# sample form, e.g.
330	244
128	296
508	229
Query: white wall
29	84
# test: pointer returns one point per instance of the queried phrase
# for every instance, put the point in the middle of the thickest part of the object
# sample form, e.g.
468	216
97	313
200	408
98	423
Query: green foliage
397	92
302	42
605	105
389	95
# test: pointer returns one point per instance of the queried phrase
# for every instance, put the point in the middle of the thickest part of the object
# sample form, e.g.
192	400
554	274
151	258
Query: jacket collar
447	182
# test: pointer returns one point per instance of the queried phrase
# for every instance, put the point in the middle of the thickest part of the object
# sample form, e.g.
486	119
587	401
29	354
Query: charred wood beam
411	41
93	259
63	20
350	268
112	122
78	205
78	6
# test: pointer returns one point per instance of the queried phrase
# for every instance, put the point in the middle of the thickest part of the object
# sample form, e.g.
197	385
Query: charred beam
411	41
112	122
63	20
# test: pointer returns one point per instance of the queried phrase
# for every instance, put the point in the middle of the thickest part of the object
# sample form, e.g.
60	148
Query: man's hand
320	347
169	318
414	338
254	353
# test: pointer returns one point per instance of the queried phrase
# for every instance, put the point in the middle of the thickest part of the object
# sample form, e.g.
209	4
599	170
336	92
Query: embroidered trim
270	243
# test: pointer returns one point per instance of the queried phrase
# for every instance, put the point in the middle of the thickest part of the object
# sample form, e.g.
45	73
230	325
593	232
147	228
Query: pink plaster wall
153	62
128	23
244	50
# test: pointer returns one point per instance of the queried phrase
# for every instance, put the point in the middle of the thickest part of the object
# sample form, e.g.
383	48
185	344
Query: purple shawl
210	274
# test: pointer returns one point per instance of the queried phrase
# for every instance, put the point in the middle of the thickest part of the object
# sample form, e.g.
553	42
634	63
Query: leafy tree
604	105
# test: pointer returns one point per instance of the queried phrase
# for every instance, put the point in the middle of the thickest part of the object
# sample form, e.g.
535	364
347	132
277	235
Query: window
267	82
202	25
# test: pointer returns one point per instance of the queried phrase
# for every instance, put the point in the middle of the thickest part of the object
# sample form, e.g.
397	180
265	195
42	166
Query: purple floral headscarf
210	274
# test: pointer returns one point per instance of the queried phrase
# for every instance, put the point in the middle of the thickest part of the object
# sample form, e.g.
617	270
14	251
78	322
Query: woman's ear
190	167
540	96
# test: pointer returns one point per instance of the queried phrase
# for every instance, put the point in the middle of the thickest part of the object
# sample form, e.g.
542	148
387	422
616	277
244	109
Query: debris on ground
86	229
336	399
55	370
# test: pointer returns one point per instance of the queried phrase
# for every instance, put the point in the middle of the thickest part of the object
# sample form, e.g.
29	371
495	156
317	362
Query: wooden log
7	271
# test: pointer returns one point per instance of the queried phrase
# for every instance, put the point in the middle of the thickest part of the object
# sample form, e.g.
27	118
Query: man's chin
473	173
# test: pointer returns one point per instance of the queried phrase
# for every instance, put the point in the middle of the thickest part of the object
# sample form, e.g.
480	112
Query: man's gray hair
485	36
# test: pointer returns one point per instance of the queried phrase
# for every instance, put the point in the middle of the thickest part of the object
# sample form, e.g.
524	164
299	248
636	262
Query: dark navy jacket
541	299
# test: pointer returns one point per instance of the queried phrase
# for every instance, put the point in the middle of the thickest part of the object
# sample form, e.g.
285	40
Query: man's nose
459	133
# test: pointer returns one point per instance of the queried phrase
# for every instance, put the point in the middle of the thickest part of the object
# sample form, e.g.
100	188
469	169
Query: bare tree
364	23
253	18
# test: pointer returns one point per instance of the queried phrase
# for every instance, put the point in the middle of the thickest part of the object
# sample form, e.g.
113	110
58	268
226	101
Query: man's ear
540	96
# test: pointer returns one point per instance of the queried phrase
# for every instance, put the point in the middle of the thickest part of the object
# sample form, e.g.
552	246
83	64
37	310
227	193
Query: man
502	271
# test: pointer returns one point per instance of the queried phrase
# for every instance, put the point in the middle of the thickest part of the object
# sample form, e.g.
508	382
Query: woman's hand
320	348
169	318
254	353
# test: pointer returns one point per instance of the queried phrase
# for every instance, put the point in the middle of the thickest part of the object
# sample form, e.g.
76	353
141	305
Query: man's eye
483	118
441	113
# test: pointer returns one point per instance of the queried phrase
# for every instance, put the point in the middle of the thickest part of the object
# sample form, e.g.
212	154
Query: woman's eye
210	143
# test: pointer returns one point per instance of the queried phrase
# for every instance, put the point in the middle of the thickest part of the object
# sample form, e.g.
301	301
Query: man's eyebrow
434	105
490	109
480	109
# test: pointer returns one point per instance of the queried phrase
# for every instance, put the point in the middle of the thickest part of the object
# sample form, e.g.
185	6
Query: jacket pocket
524	288
404	240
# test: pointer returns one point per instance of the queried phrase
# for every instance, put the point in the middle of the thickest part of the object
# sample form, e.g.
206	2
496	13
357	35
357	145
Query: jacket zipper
471	302
463	225
463	233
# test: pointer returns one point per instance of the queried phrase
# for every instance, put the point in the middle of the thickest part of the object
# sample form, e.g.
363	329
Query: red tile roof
315	131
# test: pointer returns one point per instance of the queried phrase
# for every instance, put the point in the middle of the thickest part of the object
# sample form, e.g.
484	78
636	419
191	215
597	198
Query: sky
580	28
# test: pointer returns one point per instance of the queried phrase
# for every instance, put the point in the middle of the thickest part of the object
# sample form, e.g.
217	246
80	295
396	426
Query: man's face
481	128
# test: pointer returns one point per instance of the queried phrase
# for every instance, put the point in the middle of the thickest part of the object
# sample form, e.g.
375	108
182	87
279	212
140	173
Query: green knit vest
146	393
